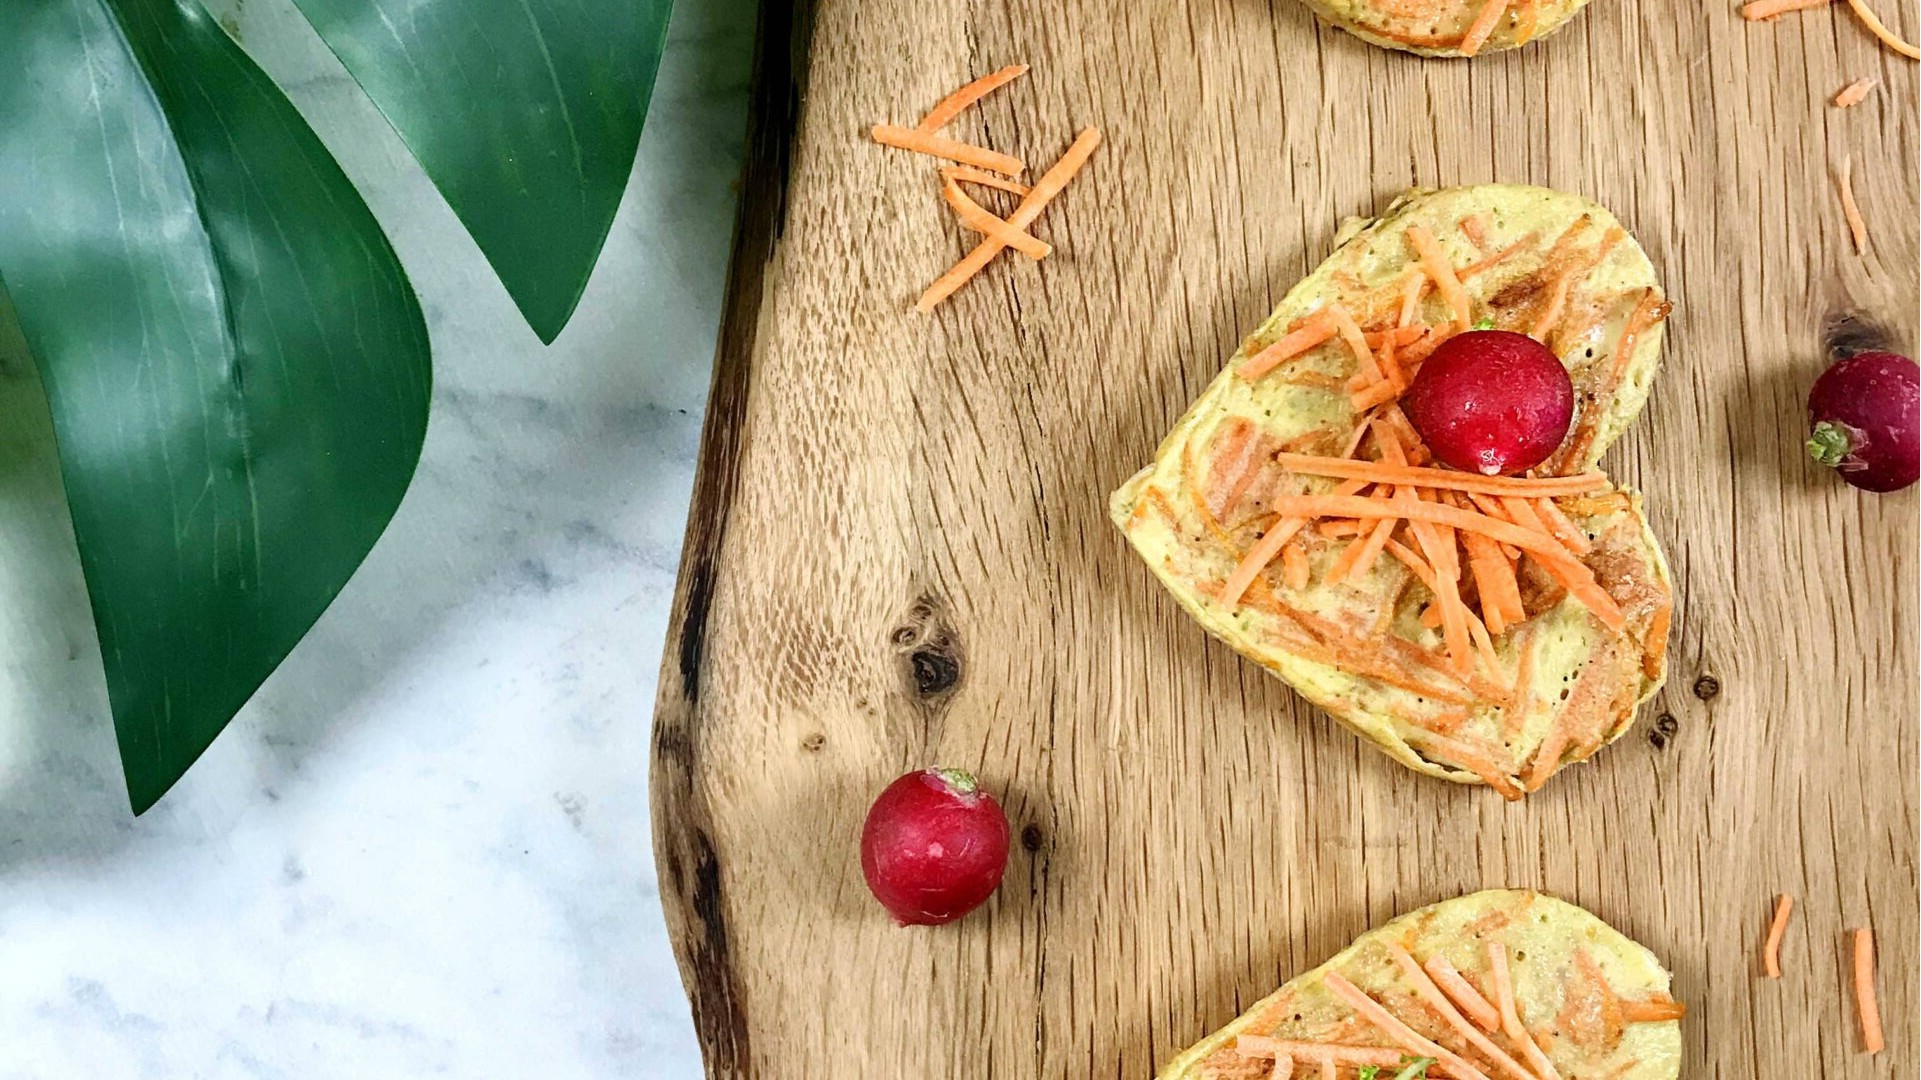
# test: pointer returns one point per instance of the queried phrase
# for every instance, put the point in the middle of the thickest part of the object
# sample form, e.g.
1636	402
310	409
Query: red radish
1865	413
934	847
1491	401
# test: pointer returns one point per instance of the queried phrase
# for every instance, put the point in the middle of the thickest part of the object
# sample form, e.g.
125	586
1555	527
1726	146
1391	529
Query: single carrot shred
978	218
1483	26
1517	1033
1756	10
1434	261
1051	183
957	102
1317	330
1462	993
1555	521
1411	291
1294	566
1495	259
1657	639
1350	332
936	146
1880	30
1865	1004
1777	927
1474	227
967	174
1855	92
1851	210
1652	1011
1556	303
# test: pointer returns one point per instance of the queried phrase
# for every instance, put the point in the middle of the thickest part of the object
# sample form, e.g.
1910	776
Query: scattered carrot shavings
1317	330
1434	261
967	174
1543	513
1350	332
1375	1014
978	218
1756	10
1879	29
1446	479
1483	26
1858	229
1049	185
1431	994
936	146
1855	92
1462	993
1864	999
957	102
1777	926
1517	1033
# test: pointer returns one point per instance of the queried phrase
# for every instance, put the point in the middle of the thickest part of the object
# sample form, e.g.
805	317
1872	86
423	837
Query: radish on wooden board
1864	416
934	847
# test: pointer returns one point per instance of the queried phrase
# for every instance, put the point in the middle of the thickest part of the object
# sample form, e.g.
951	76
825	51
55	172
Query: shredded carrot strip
1338	527
1264	551
1547	758
1430	993
936	146
1373	1013
1755	10
1445	479
1434	261
1483	26
1864	1000
1851	210
1495	259
967	174
1657	639
1647	311
1530	21
1578	579
1283	1068
1431	614
1317	330
1777	927
1411	291
1558	523
1378	393
1049	185
1462	756
1855	92
1517	1034
1294	566
1350	332
1500	593
1360	432
1400	335
978	218
1879	29
1327	1069
1463	993
1474	227
1653	1010
1556	302
957	102
1438	544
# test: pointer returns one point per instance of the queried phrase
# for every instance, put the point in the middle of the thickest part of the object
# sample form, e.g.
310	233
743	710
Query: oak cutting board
899	551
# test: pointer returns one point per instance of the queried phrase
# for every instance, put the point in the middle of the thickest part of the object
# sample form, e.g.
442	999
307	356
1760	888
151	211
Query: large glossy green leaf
525	113
237	368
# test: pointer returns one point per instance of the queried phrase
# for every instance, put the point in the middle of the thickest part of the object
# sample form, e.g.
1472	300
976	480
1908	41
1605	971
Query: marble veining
424	848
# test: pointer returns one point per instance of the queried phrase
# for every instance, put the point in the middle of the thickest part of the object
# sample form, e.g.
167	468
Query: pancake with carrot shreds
1479	629
1496	985
1447	27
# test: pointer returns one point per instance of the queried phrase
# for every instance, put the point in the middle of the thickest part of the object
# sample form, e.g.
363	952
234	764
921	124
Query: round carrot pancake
1503	984
1484	630
1447	27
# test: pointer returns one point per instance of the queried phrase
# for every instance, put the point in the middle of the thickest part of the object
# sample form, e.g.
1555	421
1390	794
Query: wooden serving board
899	551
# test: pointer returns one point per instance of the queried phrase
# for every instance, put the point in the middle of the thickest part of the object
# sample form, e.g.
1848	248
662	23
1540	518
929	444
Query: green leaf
525	114
237	368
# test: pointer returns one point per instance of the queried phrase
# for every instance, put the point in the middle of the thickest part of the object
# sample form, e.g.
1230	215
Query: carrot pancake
1480	629
1497	985
1447	27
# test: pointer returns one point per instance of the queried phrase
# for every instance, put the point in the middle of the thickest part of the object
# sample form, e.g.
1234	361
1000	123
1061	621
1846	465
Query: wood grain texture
899	551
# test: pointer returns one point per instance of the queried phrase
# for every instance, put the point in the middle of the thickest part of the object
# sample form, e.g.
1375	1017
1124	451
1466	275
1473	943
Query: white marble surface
423	850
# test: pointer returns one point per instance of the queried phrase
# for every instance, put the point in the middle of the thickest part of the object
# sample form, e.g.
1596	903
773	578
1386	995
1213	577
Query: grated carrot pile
989	168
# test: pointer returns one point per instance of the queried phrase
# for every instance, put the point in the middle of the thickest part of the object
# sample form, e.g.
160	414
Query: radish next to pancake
1447	27
1496	985
1480	628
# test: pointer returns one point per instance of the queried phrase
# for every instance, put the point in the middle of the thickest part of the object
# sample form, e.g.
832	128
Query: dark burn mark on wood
1847	332
1707	687
935	672
693	627
930	654
683	810
1031	838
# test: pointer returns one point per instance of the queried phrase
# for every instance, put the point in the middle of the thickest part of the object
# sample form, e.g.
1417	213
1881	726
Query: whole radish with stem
1864	417
934	847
